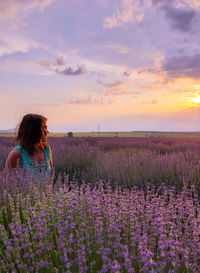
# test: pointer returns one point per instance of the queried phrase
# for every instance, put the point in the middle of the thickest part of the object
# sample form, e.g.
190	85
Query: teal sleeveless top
38	171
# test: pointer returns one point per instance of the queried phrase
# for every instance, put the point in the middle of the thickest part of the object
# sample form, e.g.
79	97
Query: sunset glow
196	100
123	65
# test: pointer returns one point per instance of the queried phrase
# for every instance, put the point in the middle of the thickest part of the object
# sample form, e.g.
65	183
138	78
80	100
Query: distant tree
70	134
116	134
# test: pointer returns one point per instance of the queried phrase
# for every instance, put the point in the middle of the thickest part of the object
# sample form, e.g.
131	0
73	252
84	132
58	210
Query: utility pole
98	130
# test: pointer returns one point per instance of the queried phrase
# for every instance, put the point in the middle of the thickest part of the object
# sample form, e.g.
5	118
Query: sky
116	65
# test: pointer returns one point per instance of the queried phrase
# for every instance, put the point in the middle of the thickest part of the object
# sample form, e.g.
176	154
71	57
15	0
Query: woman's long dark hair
30	133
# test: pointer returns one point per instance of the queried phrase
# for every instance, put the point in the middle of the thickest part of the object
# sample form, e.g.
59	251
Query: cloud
100	74
12	15
9	9
128	11
27	63
88	101
60	60
45	63
180	13
10	44
119	92
193	4
127	73
69	71
117	84
58	66
144	70
181	20
38	4
10	65
179	4
183	66
117	88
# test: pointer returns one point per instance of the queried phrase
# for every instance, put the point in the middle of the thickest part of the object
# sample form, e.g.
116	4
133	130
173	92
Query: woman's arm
51	179
14	159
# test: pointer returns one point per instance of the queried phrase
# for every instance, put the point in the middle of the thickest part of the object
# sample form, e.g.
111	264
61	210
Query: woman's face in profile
44	131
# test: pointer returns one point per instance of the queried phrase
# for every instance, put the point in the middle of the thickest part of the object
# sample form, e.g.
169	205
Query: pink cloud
45	63
88	101
127	11
119	92
11	43
61	60
9	9
117	88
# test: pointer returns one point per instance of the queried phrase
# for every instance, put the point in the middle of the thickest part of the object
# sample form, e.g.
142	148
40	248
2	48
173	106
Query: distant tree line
70	134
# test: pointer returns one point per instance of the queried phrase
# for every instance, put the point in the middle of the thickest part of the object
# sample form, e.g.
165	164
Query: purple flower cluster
122	161
140	217
95	229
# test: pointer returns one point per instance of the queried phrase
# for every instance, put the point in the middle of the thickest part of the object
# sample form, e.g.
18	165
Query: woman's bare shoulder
15	153
13	158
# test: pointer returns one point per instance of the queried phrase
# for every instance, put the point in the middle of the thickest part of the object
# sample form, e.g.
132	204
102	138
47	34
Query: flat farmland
119	134
119	204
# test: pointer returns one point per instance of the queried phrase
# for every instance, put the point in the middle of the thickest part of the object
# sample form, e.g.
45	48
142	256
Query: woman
32	153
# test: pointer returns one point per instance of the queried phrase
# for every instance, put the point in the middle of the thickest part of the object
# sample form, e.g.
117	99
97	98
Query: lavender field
118	205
